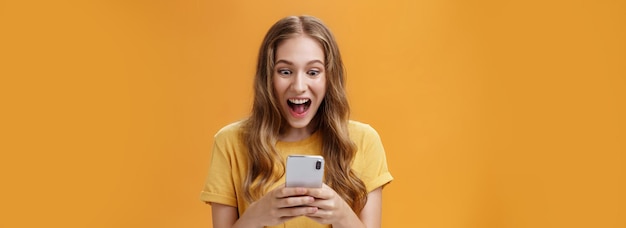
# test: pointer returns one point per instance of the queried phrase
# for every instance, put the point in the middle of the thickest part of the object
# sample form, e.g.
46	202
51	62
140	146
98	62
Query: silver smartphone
304	171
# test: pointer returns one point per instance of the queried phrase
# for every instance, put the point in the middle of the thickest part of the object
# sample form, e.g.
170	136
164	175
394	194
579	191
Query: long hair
261	129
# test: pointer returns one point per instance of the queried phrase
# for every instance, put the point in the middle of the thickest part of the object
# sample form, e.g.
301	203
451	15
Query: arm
224	216
372	212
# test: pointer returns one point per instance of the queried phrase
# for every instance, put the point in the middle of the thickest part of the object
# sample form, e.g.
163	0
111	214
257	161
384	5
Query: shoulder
356	127
361	131
230	131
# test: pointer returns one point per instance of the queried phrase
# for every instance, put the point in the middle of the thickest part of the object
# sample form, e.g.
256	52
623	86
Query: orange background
493	113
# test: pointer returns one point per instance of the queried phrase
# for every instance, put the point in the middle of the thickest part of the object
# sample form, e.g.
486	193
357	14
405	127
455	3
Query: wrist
349	219
351	222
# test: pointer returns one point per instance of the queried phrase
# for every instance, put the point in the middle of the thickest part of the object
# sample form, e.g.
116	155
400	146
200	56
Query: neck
296	134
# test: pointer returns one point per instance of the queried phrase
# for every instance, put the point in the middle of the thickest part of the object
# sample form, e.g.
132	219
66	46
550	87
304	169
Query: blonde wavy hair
262	128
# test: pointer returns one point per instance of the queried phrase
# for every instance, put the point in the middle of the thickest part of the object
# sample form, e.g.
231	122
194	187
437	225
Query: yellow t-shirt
229	165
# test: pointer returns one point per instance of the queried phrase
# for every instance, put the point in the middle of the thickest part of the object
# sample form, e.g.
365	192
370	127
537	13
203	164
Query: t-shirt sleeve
375	172
219	187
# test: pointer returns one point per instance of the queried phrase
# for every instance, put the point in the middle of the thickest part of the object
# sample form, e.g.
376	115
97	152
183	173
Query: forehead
299	50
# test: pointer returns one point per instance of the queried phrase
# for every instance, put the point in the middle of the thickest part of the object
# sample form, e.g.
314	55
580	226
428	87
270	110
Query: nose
299	83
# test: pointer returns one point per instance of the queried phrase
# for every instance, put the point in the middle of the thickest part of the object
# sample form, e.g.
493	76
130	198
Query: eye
313	72
284	72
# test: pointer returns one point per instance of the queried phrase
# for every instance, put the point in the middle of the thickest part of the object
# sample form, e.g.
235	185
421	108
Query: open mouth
299	106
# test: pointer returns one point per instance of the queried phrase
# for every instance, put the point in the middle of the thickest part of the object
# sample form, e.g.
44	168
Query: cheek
321	87
277	86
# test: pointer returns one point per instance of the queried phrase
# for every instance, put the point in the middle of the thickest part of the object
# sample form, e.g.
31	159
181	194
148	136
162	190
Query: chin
299	124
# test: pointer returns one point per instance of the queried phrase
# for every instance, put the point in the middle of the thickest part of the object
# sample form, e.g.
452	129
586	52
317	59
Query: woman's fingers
324	204
294	201
324	192
321	216
279	206
291	197
290	212
287	192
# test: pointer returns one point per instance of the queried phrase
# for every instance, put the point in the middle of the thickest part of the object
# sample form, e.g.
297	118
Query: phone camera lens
318	165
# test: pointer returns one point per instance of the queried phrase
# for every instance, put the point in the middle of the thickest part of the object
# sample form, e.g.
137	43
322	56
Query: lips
299	106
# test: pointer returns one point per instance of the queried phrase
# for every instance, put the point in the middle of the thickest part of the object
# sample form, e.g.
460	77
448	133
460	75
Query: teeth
298	101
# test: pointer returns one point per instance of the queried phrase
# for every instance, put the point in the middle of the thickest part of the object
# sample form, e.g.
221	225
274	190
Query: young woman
300	107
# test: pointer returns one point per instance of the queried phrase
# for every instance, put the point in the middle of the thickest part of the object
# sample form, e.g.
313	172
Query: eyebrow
291	63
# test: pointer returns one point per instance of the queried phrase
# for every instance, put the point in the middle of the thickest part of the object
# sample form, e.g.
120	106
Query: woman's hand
332	209
278	206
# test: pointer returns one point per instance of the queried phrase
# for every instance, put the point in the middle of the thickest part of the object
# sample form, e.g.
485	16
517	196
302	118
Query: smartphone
304	171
